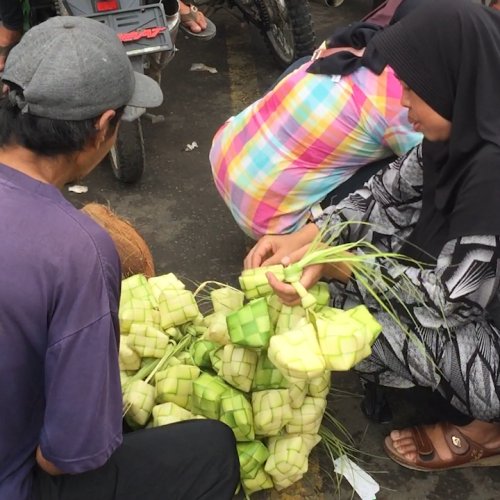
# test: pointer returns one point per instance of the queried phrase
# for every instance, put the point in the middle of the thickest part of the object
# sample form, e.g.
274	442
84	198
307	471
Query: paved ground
191	233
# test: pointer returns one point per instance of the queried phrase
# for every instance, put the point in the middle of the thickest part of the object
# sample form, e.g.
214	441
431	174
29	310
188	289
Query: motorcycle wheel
290	34
128	155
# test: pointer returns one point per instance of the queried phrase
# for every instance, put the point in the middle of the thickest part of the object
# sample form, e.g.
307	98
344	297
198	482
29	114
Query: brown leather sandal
466	452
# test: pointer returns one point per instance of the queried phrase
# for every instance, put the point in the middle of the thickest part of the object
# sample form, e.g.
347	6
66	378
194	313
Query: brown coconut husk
134	252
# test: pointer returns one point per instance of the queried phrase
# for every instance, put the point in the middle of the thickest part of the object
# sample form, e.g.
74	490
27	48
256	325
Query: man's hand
45	465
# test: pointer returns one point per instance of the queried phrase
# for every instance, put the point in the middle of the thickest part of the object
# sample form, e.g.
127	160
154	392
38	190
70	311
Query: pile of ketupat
259	366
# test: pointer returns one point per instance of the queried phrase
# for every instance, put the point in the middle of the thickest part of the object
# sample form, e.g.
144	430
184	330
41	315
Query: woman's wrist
307	233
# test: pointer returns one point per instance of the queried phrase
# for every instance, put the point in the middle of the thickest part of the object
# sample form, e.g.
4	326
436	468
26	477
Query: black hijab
448	53
357	35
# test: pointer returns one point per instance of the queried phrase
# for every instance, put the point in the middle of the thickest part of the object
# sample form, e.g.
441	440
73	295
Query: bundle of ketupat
260	367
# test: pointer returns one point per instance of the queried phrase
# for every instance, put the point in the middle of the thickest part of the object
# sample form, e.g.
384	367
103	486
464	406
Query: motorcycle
286	25
148	30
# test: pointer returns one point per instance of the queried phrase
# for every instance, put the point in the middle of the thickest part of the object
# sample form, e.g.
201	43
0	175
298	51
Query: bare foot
484	433
192	18
8	38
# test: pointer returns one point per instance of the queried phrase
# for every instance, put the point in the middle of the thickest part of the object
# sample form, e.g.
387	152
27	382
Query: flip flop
207	34
466	452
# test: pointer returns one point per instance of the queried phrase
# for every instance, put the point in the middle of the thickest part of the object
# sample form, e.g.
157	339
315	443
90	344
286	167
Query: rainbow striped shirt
284	153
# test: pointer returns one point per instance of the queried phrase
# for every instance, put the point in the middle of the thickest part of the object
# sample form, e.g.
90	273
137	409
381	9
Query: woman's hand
340	271
310	276
272	249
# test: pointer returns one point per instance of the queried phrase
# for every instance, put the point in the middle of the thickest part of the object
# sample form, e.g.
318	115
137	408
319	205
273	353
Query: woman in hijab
438	204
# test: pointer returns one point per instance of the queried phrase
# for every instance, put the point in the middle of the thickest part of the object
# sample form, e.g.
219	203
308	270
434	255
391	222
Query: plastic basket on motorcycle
143	29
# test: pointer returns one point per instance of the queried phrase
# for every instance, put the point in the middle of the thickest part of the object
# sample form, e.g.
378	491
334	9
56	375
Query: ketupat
128	358
321	293
343	342
173	332
274	306
216	359
271	411
267	376
250	326
289	317
236	412
307	419
319	387
297	354
288	459
297	388
137	311
207	394
139	401
216	328
252	455
226	300
254	282
238	366
169	413
200	351
147	341
361	314
164	283
135	287
175	385
184	358
261	481
177	308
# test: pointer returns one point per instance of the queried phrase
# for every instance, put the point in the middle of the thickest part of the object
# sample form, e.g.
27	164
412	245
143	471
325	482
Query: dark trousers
189	460
11	14
356	181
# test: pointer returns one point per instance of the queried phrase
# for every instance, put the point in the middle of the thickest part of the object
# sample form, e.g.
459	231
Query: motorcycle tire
290	33
128	155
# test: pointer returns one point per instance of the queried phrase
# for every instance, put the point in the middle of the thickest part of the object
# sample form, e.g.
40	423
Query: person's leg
356	181
450	365
189	460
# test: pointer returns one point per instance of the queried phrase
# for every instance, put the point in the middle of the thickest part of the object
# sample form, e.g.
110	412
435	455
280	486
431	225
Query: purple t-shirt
59	374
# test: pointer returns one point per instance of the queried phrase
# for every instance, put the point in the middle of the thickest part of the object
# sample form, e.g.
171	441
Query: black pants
354	182
11	14
189	460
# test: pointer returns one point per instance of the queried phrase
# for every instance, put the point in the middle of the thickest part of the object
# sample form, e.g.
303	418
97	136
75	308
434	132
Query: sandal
192	16
466	452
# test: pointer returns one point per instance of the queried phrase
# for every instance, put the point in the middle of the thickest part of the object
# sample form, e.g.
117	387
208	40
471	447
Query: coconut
135	255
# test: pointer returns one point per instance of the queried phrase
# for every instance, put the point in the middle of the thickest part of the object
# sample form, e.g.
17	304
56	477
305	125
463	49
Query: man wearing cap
68	83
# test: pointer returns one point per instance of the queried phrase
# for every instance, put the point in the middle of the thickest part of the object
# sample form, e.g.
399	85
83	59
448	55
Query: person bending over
311	137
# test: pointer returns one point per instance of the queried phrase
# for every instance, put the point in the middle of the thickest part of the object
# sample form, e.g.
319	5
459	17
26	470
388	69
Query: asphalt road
191	233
